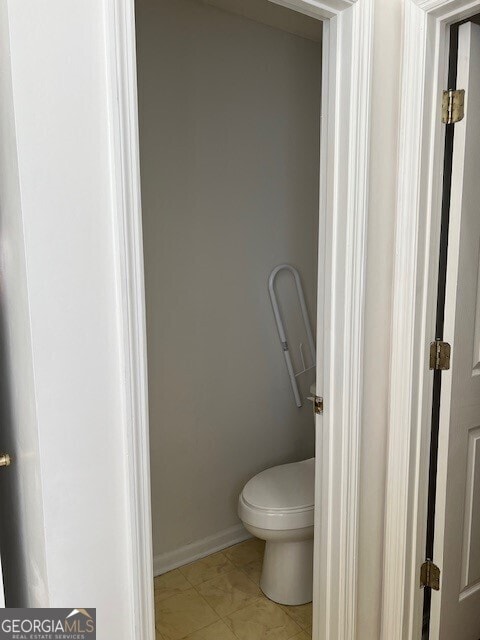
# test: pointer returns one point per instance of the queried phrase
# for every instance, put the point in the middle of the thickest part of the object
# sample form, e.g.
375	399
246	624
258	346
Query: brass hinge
440	355
430	575
453	106
317	404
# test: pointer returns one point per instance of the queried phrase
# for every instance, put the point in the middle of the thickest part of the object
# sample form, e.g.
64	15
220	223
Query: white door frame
420	183
343	205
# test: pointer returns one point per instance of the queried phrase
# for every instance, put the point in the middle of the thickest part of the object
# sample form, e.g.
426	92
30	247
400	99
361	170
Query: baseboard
196	550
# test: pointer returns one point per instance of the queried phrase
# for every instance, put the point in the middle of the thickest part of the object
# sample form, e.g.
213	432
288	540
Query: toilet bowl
277	506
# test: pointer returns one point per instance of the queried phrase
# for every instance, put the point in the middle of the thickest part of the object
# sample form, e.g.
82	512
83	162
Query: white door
455	612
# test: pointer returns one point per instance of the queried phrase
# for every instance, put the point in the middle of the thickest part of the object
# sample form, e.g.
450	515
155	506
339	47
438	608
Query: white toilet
277	505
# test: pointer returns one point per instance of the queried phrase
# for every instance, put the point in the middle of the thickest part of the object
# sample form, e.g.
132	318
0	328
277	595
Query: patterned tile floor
218	598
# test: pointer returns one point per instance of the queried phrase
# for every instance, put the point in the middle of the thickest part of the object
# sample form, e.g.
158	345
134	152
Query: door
455	608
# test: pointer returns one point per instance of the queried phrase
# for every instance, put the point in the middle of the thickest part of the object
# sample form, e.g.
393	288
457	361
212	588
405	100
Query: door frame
418	224
344	180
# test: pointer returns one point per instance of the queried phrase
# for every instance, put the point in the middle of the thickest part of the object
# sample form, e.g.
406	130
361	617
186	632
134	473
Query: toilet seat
280	498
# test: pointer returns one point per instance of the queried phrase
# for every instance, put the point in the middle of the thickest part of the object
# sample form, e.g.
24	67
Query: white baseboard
196	550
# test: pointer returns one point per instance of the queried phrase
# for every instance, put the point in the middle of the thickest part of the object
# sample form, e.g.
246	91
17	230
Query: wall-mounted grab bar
281	329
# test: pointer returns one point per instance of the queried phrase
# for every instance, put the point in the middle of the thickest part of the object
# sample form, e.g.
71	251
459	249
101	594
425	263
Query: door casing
344	179
418	223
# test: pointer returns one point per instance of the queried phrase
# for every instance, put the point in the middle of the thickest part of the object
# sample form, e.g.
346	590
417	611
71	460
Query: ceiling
273	15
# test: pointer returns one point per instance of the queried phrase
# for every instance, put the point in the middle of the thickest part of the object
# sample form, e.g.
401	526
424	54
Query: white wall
22	540
229	132
60	94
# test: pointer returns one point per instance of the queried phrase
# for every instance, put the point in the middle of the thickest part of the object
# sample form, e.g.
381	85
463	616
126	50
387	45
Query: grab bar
281	329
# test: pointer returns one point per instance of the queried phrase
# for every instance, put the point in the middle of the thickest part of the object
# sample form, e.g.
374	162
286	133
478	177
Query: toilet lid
288	486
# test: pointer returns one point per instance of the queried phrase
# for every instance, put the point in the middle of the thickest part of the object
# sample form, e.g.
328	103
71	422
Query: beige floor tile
303	636
246	552
230	592
207	568
301	614
170	584
262	620
182	614
215	631
253	570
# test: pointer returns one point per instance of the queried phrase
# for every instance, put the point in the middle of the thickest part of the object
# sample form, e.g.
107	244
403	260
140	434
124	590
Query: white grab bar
281	329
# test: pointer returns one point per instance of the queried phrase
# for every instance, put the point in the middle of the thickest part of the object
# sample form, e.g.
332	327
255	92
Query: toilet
277	506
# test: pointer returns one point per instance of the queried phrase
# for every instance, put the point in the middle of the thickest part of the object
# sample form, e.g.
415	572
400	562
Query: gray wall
229	126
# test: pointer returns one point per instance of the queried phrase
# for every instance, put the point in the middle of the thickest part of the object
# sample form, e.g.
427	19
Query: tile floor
218	598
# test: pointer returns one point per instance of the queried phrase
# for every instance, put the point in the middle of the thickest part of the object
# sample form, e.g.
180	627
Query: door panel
471	534
456	607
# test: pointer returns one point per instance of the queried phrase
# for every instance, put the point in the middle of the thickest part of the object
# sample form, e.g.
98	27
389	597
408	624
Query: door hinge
317	404
430	575
453	106
440	356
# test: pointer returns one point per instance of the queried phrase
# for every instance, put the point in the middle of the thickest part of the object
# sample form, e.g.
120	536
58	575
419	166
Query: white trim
126	192
419	187
344	178
316	8
199	549
345	156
